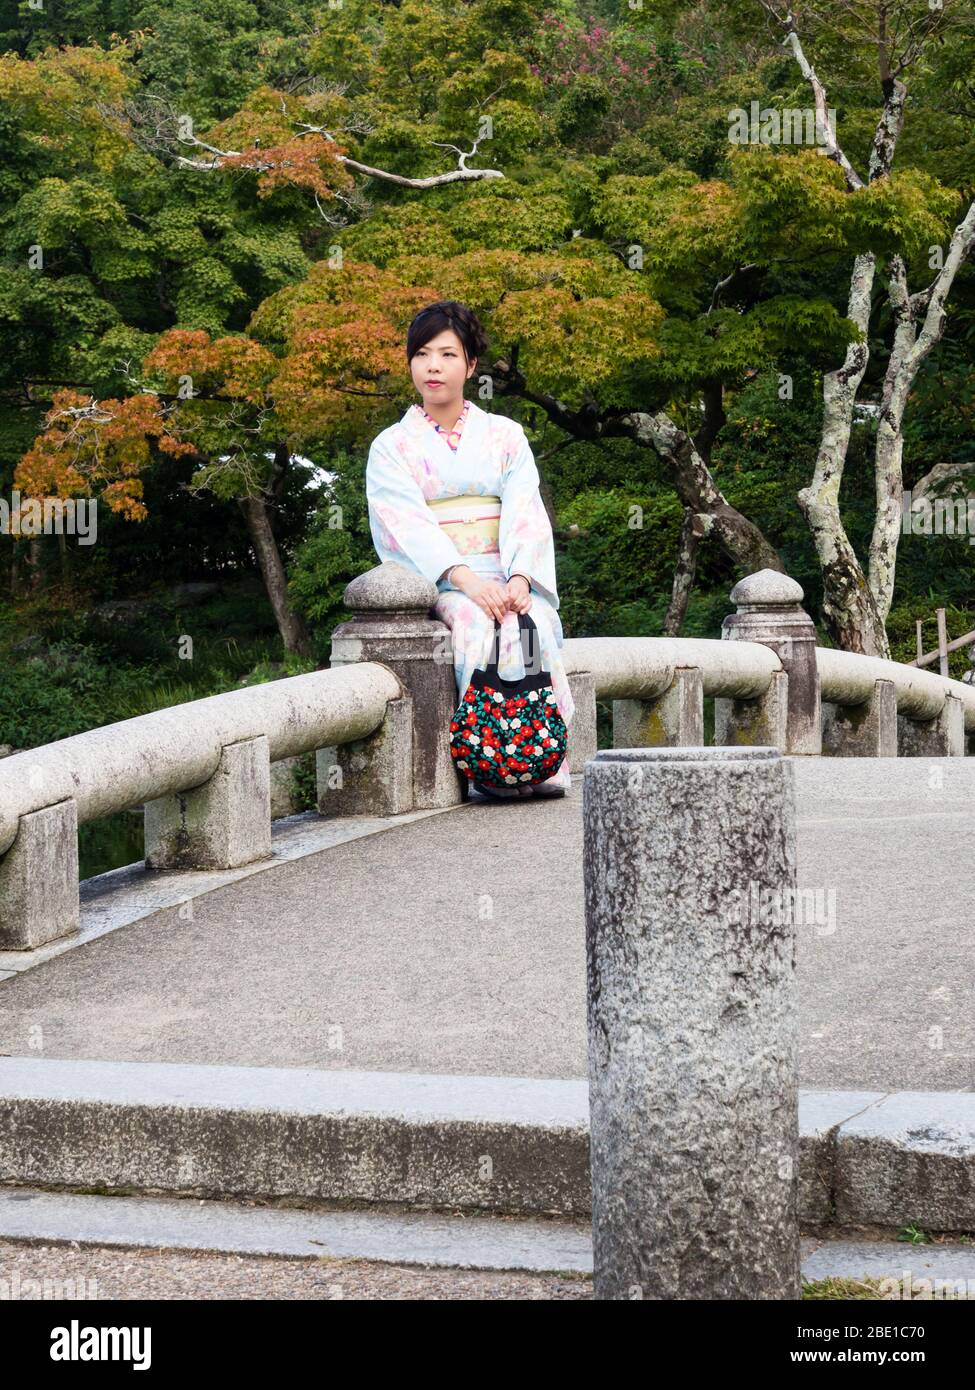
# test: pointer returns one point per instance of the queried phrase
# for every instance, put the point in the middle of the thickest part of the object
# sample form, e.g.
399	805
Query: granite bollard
788	716
689	866
405	765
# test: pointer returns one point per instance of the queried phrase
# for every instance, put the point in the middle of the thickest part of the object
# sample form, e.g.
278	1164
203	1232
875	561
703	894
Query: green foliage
614	577
304	783
65	692
214	52
338	547
66	670
902	629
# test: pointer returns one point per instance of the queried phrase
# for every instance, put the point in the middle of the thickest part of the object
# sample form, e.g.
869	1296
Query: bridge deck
378	954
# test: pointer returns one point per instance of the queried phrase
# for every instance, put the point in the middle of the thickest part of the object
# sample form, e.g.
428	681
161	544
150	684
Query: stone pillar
39	879
392	624
762	722
674	719
940	737
370	776
868	730
689	866
221	824
770	611
582	729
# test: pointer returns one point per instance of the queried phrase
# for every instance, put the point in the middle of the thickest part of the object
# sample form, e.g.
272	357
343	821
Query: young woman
453	494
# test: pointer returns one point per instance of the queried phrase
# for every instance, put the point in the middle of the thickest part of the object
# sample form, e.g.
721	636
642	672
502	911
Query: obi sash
472	522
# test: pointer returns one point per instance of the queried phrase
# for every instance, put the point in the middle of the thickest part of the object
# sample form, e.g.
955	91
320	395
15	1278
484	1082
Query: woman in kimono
453	494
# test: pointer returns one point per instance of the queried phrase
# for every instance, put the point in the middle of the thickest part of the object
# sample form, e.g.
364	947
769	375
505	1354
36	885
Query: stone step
429	1239
433	1239
475	1143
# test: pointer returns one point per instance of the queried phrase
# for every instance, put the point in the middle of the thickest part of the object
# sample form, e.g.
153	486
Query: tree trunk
292	629
34	563
694	528
849	610
740	538
911	346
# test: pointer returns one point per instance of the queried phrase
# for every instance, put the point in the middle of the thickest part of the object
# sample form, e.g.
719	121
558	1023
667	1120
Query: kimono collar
413	421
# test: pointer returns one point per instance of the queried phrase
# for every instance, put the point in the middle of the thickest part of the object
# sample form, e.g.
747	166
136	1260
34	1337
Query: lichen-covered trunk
740	538
693	529
910	347
889	450
849	610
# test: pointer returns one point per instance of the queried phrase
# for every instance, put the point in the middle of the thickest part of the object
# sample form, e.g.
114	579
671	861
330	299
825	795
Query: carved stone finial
766	588
389	587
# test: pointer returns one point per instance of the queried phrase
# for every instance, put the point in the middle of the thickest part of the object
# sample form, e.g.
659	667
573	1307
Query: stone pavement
453	942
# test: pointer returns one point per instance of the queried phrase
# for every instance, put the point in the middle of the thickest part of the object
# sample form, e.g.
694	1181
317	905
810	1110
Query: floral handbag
505	733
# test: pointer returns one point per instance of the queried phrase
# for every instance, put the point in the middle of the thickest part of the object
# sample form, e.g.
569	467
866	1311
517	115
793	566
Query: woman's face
440	369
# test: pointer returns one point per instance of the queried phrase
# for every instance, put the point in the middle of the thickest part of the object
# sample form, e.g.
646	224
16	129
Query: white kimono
411	464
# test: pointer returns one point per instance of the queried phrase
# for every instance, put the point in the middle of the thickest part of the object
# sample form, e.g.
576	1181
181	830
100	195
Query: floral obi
472	522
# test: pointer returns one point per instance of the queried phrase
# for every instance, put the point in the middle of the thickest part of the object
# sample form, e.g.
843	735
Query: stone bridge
350	1004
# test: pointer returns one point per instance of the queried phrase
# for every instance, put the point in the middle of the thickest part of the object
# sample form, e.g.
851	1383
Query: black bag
509	733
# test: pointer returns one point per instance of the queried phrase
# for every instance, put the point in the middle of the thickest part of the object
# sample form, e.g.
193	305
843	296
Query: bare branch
826	133
723	284
891	119
155	125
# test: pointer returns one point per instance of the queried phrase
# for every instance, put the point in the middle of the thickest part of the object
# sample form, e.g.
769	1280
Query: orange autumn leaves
321	364
298	163
101	448
217	396
91	448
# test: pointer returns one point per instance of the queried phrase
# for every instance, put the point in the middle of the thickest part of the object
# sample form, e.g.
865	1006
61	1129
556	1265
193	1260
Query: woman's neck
445	413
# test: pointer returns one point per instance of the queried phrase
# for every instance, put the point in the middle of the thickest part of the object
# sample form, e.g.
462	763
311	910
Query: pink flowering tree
604	78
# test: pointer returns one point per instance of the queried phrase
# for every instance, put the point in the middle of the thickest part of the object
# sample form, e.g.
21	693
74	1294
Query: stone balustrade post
674	719
39	899
689	867
582	729
222	824
788	716
940	737
868	730
405	764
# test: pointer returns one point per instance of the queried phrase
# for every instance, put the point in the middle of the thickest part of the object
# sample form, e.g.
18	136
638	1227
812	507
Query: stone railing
378	718
773	686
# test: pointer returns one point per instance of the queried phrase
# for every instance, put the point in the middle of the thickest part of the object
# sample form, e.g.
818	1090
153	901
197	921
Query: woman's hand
490	596
518	591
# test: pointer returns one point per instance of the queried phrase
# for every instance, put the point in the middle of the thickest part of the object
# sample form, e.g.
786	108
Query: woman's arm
402	525
525	538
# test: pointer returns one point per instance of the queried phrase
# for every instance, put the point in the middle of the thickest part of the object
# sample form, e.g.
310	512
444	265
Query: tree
857	603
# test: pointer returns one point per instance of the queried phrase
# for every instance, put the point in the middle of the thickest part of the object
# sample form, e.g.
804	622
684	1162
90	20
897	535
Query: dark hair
447	313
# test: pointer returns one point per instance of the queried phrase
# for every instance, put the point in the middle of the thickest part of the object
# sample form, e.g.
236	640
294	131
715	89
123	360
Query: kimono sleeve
402	525
525	537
